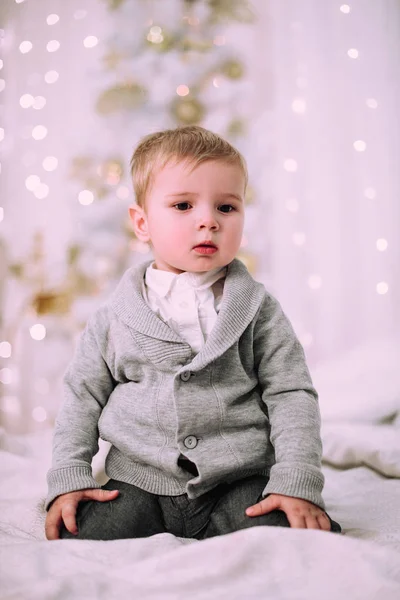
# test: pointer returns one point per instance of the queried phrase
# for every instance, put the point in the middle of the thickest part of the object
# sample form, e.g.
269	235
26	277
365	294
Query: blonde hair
192	143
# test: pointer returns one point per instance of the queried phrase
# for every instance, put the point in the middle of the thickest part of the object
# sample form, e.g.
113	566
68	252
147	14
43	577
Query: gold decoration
232	69
236	127
163	42
188	111
249	260
249	196
112	59
125	96
52	301
229	10
115	4
111	171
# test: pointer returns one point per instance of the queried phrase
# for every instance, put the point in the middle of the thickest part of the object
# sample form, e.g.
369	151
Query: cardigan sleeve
88	384
292	405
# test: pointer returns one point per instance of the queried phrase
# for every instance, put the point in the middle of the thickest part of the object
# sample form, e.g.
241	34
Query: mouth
206	247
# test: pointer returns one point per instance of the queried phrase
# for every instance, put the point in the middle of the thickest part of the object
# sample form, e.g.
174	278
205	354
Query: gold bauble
127	96
111	171
52	302
232	69
250	195
249	260
188	111
236	127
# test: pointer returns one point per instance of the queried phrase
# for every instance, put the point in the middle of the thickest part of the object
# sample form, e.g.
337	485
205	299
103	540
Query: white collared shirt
188	302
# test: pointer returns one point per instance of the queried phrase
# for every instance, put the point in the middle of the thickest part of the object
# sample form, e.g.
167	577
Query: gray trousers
136	513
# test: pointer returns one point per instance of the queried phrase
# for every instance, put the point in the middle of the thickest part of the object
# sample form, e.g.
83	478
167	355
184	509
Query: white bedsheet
362	492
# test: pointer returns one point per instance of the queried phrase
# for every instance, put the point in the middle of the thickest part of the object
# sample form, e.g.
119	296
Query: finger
312	522
68	516
99	495
52	526
261	508
296	521
324	522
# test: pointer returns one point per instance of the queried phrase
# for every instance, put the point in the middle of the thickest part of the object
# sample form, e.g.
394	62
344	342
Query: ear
139	222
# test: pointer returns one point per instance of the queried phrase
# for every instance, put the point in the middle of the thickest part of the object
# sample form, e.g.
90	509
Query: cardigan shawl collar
241	300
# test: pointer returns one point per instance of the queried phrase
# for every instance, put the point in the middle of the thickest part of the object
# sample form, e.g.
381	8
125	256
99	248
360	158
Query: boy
191	371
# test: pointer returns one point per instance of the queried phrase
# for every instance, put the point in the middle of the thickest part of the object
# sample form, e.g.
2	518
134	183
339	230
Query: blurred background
308	91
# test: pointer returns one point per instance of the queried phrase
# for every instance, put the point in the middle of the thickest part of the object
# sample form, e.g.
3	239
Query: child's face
186	207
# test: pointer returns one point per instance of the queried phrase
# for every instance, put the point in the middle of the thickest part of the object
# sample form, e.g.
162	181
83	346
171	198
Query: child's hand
64	509
301	514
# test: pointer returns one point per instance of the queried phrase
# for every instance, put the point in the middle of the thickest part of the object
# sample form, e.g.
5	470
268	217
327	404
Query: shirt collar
162	282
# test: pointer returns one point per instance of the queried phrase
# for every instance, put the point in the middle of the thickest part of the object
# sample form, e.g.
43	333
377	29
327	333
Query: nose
207	220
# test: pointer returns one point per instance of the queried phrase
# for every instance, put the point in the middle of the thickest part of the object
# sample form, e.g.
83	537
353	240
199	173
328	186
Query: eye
181	206
229	208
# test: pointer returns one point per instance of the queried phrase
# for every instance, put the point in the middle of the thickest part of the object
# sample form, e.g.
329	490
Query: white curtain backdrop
322	92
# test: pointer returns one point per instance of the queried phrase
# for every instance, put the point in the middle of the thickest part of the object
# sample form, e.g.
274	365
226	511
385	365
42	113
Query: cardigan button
185	376
190	441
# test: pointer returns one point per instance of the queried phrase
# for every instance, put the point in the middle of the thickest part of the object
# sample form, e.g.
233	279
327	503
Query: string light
2	85
360	145
38	332
381	244
39	132
314	282
42	191
26	100
25	47
32	182
123	192
290	165
6	376
182	90
90	41
51	76
371	103
292	204
50	163
382	288
80	14
219	40
299	238
352	52
52	19
39	102
53	46
85	197
39	414
299	105
5	349
1	214
370	193
345	8
10	405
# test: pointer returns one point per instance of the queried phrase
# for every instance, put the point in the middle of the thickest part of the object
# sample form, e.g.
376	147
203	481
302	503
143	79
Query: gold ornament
249	260
188	111
111	171
52	301
115	4
112	59
229	10
126	96
232	69
236	127
249	196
